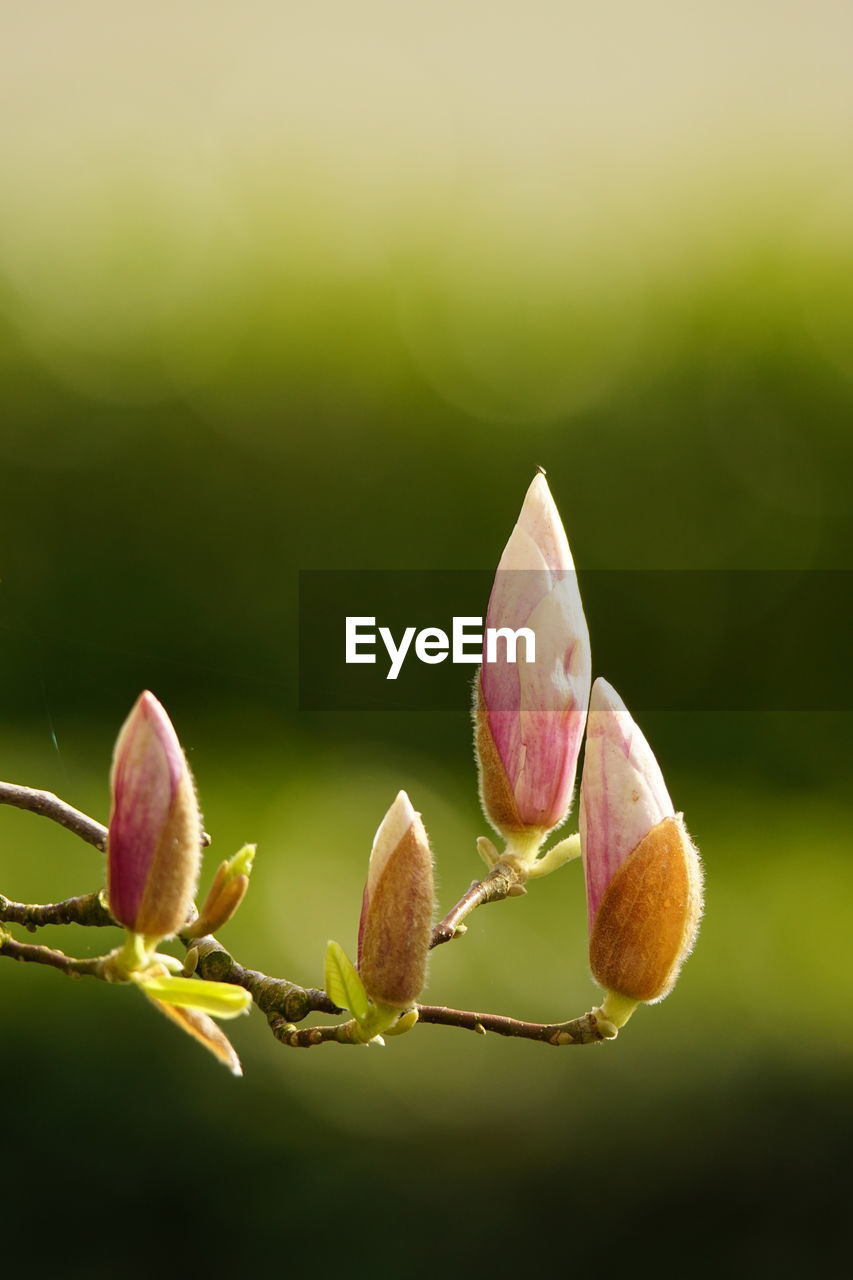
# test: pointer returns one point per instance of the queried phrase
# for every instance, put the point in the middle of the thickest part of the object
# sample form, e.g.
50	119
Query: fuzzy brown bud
396	916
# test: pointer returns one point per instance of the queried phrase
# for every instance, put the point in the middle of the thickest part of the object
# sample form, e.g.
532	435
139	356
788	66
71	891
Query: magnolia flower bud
154	843
529	716
643	876
396	915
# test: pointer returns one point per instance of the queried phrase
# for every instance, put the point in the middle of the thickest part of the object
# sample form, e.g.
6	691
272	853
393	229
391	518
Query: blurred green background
291	288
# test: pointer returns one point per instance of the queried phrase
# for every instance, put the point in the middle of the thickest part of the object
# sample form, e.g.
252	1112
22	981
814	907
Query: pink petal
623	794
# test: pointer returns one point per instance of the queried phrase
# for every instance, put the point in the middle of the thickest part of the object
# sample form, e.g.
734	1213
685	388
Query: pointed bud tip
403	806
393	827
604	697
148	714
540	520
538	488
152	708
609	719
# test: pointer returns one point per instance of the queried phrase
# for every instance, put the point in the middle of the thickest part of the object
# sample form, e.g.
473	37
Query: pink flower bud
530	716
154	843
396	915
643	876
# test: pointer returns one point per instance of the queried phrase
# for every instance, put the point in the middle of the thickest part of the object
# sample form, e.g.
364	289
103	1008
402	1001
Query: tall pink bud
396	915
643	876
530	715
154	843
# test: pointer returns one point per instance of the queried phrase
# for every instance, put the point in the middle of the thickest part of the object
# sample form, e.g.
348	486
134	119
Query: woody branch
282	1002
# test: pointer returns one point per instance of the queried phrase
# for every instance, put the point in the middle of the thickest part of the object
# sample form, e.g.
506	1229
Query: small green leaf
221	999
241	863
343	985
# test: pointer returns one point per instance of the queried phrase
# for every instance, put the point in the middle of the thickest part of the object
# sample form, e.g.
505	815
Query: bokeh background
293	287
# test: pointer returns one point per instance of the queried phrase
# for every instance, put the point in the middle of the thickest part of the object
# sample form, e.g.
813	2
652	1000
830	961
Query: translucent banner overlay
771	640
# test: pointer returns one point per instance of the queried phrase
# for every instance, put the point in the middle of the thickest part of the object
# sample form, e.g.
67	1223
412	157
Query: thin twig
503	881
88	909
283	1003
30	953
583	1030
47	805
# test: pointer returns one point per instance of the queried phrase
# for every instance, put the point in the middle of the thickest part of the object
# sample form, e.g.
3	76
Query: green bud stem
616	1008
523	846
554	858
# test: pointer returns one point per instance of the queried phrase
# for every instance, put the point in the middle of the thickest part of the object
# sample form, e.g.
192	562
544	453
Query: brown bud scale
396	940
648	916
205	1030
496	794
